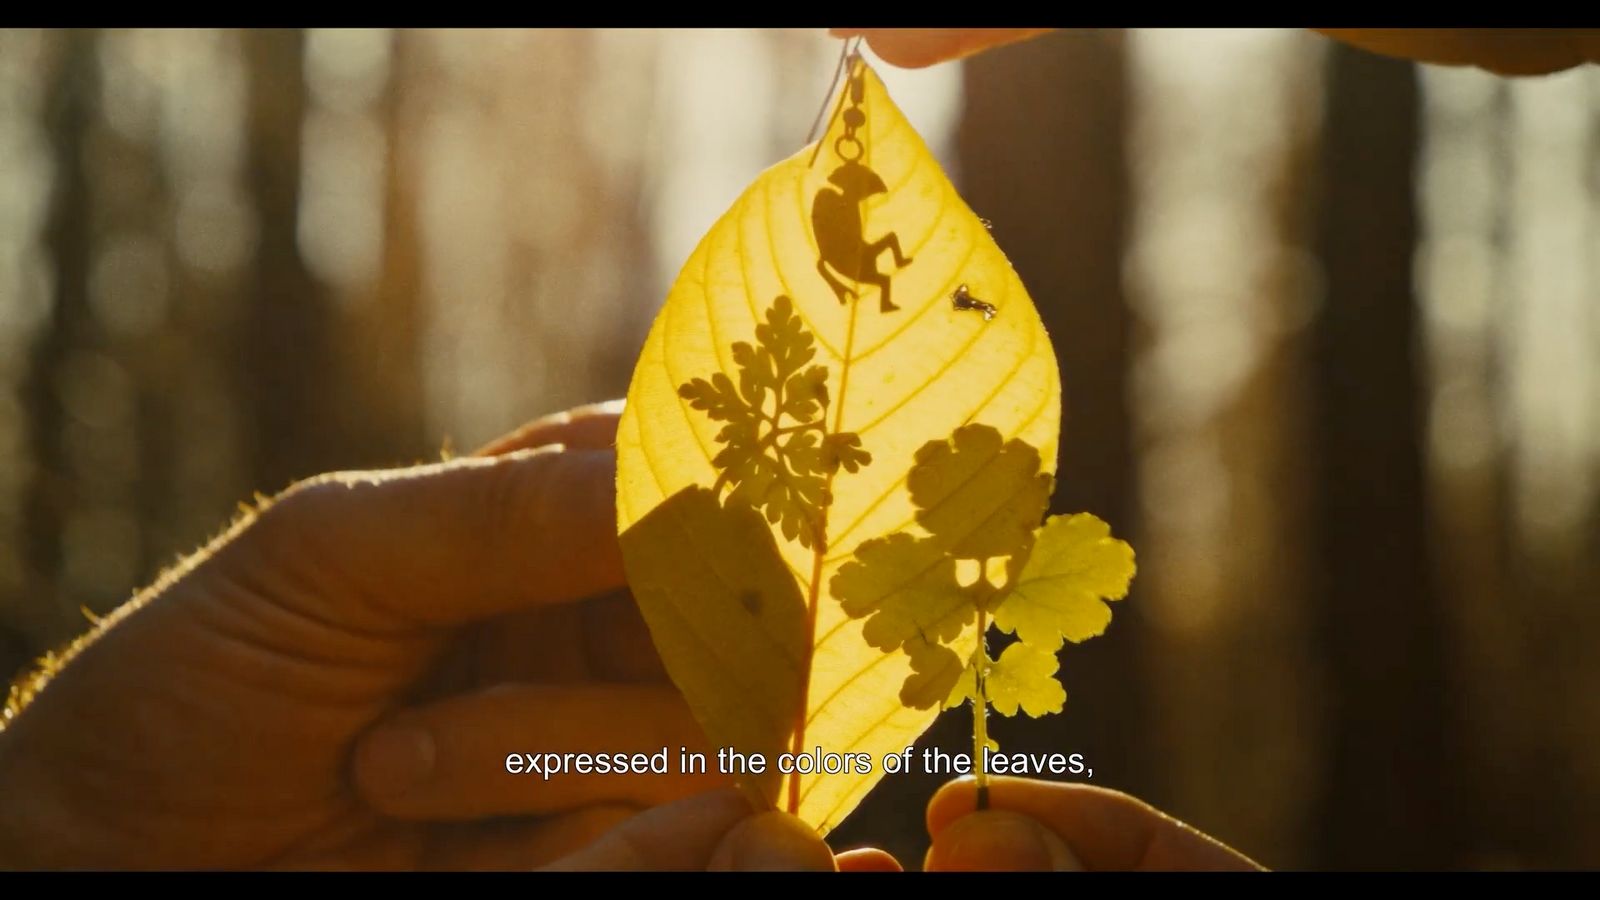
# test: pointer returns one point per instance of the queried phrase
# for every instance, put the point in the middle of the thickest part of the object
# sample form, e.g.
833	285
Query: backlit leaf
1058	594
979	498
811	345
935	670
907	589
980	494
1024	677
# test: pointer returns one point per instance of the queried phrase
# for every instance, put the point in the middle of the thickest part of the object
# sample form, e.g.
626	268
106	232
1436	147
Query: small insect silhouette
961	299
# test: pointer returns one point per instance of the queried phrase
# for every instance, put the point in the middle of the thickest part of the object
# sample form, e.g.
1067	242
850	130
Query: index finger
1108	830
1503	51
916	48
592	427
717	830
439	545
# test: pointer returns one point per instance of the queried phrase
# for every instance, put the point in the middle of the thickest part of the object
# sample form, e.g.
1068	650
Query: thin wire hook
850	50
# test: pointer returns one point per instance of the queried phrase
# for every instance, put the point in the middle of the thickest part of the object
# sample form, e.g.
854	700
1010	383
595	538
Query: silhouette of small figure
841	241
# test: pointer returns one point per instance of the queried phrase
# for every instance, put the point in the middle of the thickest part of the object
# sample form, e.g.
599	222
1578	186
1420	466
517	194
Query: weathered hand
716	831
1504	51
1050	826
916	48
336	681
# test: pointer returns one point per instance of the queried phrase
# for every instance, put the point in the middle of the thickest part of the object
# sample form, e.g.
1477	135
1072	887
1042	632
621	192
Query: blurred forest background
1329	327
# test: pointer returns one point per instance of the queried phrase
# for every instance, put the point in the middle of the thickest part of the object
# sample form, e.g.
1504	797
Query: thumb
772	842
715	830
916	48
998	840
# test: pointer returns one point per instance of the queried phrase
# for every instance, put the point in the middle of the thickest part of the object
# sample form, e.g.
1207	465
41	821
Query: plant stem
802	426
818	558
980	710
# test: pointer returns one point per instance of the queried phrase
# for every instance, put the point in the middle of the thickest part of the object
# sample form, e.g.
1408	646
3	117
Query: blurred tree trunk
70	109
381	395
282	346
14	654
1390	784
1216	282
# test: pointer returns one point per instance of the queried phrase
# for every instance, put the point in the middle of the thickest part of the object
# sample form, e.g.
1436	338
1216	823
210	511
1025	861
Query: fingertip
1106	829
564	507
589	427
389	761
1000	841
918	48
725	804
772	842
867	859
682	835
950	802
511	844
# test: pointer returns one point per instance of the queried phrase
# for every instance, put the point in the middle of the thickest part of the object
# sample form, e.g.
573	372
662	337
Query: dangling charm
844	251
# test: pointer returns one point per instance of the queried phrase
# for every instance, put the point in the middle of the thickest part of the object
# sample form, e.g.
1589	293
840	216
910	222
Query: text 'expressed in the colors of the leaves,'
728	761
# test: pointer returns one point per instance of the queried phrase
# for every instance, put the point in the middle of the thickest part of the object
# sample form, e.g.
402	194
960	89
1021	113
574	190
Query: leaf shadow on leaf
777	455
978	498
743	667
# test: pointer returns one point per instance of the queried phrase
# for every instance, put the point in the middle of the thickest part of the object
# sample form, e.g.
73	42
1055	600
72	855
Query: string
850	49
844	54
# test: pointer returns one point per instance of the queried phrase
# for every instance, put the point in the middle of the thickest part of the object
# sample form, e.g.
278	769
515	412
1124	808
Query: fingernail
392	760
772	842
1000	841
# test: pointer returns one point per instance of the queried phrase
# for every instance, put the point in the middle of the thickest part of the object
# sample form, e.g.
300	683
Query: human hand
1035	825
1505	51
916	48
716	831
468	609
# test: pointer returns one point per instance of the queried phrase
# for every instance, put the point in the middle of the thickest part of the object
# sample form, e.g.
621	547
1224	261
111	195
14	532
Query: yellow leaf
1023	677
907	588
1075	562
982	493
934	669
697	548
823	330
